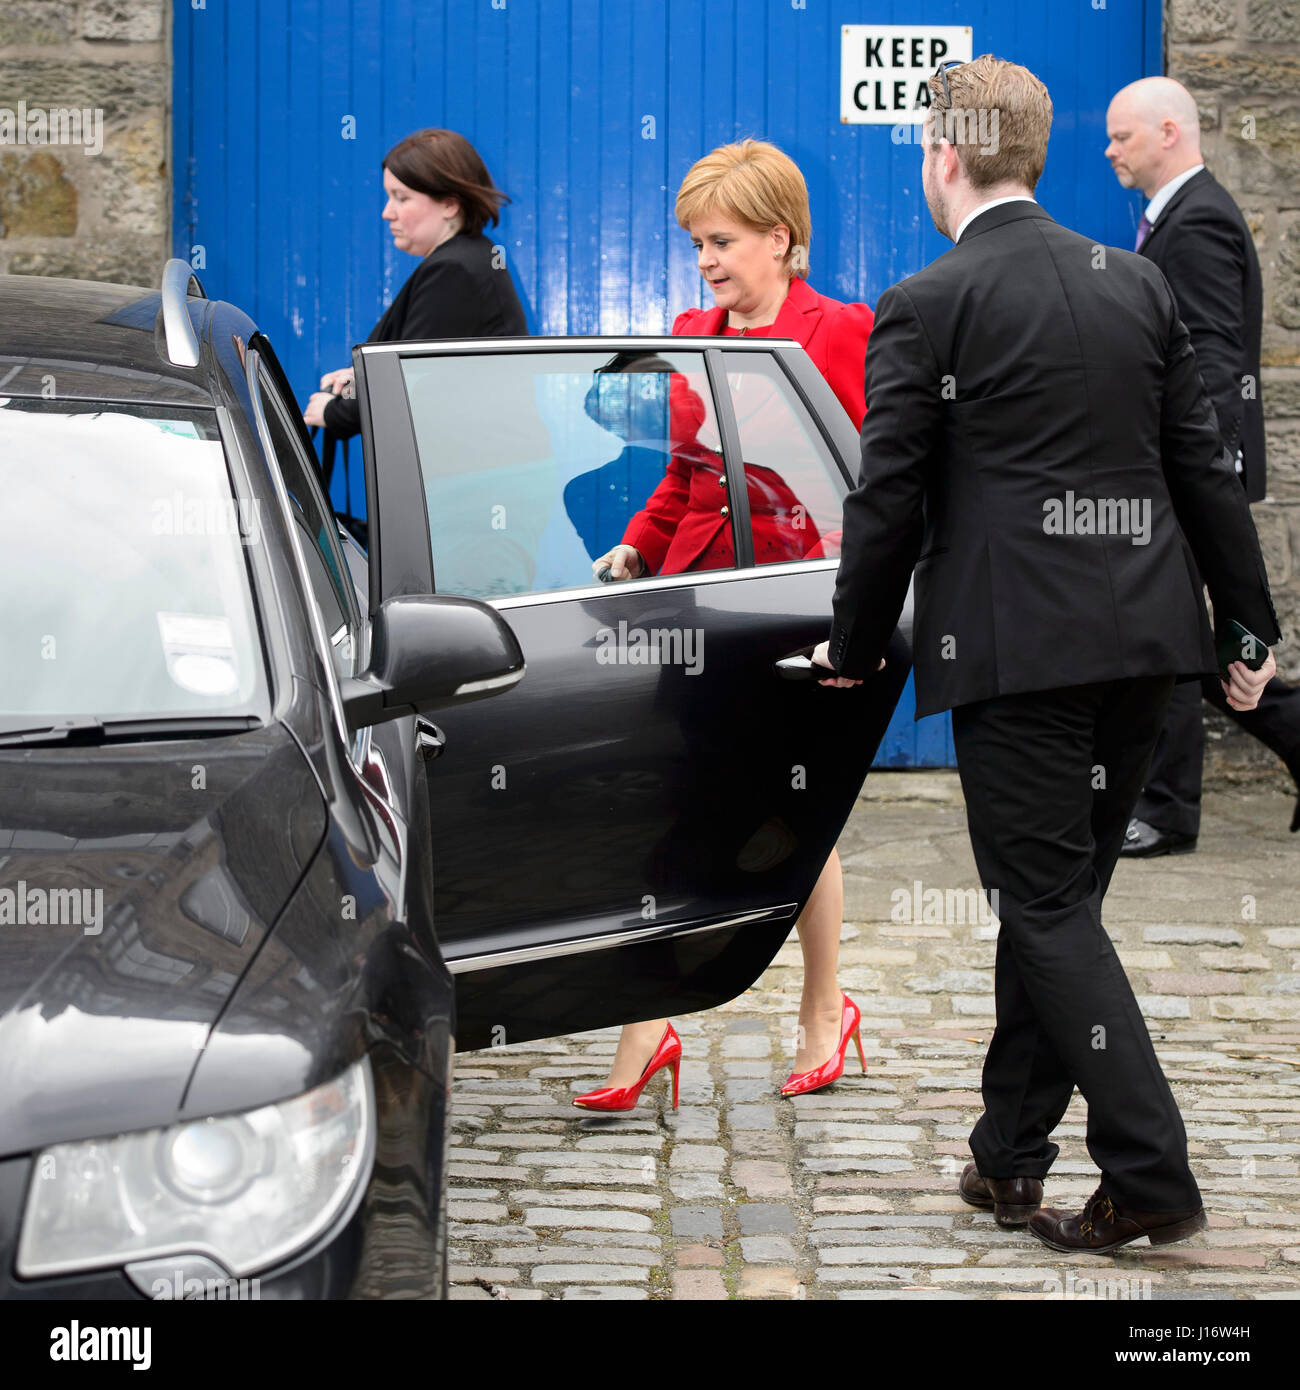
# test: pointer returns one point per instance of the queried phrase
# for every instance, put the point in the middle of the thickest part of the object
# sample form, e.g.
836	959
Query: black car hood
165	864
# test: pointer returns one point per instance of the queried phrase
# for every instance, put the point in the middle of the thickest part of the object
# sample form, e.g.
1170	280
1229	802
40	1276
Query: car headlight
247	1189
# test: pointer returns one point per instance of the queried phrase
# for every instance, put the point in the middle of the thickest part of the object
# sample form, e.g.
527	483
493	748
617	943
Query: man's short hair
998	120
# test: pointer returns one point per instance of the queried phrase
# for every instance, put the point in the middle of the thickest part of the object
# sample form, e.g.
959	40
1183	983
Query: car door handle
429	738
798	666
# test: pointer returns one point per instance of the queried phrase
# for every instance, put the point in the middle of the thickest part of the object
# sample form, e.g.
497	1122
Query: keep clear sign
885	69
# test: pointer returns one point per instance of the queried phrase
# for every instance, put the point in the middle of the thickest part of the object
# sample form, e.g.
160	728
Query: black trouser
1171	799
1046	836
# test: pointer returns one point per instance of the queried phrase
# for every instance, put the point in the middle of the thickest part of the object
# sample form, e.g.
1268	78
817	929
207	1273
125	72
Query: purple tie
1144	231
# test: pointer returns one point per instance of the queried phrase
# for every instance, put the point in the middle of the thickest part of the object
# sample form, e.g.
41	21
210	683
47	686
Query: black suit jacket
455	292
1023	381
1202	244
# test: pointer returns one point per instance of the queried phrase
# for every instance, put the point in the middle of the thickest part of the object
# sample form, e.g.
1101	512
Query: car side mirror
428	651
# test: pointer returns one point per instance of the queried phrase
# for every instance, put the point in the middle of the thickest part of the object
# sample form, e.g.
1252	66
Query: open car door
633	830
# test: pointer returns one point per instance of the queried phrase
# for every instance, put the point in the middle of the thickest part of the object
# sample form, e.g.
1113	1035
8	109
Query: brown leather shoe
1013	1201
1102	1227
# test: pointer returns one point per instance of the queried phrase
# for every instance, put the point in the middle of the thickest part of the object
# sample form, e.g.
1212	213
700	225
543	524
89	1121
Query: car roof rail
182	343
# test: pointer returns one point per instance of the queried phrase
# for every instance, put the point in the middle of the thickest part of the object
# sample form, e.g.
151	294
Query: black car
228	1011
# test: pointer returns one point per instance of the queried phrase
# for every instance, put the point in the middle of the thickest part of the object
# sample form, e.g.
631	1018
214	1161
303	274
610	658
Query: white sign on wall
885	69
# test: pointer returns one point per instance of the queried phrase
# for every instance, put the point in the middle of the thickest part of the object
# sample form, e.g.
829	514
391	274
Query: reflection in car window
123	568
534	463
794	502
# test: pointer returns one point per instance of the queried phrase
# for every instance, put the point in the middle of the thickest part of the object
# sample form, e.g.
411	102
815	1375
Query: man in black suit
1039	446
1195	233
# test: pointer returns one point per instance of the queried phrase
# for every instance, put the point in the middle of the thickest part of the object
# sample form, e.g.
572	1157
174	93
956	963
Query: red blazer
682	519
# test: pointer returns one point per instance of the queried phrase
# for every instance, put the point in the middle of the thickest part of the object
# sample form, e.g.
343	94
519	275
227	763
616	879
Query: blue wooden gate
587	113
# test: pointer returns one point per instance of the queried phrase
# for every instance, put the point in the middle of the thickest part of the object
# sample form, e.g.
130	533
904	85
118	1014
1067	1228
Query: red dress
682	526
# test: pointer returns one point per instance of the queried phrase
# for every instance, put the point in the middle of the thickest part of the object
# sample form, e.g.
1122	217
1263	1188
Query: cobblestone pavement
849	1193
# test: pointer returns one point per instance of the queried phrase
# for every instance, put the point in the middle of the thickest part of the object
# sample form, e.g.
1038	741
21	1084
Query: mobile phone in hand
1240	645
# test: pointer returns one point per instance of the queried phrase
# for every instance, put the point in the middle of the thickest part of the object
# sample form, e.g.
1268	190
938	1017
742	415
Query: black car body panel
100	1030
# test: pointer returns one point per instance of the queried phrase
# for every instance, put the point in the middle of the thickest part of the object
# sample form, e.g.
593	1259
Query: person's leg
1030	764
1275	721
1025	1085
1171	799
820	1003
636	1046
1126	730
819	1006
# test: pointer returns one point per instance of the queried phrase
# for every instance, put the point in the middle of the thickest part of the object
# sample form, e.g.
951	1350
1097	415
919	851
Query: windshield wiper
86	730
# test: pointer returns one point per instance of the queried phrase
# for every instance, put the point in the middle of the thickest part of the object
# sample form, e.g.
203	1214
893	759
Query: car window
127	592
536	464
331	582
792	479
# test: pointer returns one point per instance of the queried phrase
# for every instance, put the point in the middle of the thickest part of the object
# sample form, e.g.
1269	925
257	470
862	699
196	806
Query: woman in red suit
746	209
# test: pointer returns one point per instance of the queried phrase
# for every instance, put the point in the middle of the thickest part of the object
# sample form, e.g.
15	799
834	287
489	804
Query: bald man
1195	233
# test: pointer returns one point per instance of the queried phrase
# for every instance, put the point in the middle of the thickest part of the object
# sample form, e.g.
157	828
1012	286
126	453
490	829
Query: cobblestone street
850	1192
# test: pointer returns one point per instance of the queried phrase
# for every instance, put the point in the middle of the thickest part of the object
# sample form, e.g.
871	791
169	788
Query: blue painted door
587	113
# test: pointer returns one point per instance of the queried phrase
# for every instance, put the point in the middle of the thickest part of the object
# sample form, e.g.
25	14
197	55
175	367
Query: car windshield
126	592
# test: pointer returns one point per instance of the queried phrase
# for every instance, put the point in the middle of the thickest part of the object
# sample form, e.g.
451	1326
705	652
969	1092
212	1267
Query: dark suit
1024	369
1202	244
455	292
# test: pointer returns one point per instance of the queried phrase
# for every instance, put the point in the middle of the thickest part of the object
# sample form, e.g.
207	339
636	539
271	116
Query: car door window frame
804	411
327	677
340	573
742	535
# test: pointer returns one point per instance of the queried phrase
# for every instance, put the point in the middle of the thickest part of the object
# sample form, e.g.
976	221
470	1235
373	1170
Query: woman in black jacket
440	196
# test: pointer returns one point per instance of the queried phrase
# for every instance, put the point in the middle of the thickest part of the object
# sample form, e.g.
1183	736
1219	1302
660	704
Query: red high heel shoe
667	1054
799	1084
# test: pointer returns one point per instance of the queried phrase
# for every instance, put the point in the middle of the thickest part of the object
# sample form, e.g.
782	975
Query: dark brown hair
443	164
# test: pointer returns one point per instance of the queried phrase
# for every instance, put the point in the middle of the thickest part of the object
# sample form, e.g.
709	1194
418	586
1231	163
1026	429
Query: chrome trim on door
474	347
463	964
688	579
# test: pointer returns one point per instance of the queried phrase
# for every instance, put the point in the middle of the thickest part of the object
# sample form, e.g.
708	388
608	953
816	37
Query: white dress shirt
1160	200
984	207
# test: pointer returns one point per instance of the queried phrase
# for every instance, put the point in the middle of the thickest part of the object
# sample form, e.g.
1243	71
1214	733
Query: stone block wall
66	209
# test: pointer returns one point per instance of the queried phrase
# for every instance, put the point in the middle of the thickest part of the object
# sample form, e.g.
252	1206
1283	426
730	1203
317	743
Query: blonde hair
1017	106
756	184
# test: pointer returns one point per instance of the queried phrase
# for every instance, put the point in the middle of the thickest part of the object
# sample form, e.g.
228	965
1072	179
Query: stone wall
65	209
1241	61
